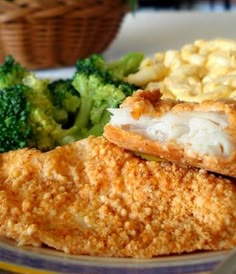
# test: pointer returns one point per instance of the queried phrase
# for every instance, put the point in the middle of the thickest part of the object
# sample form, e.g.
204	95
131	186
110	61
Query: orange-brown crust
172	151
138	143
92	197
149	102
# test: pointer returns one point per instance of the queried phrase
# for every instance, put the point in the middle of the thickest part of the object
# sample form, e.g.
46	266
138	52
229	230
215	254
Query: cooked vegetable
100	87
25	108
11	73
126	65
13	118
65	98
27	117
42	114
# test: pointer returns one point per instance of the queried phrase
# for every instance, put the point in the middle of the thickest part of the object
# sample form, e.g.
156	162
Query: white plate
151	31
146	31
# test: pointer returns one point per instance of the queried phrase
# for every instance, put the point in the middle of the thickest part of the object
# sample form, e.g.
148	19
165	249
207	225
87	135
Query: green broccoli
26	112
44	114
14	113
66	100
64	95
11	73
100	87
126	65
25	119
34	111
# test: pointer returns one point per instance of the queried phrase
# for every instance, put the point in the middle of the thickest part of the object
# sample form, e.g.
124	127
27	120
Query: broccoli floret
64	95
126	65
42	113
25	119
110	71
14	114
96	97
66	100
100	88
11	73
26	112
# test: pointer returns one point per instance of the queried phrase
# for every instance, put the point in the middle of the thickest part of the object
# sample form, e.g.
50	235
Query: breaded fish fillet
196	134
92	197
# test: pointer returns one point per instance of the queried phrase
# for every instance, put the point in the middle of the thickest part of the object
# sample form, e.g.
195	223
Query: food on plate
63	188
197	134
92	197
43	113
201	70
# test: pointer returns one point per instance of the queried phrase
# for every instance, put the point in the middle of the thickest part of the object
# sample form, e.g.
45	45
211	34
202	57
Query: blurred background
63	31
195	5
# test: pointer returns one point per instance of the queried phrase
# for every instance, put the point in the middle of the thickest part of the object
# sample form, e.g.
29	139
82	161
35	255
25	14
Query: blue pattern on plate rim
62	263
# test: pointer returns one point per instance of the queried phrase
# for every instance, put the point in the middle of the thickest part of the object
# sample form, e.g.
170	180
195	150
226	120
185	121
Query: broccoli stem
97	129
83	116
76	132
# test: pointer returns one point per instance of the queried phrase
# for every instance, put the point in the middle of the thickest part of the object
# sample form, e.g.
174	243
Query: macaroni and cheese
205	69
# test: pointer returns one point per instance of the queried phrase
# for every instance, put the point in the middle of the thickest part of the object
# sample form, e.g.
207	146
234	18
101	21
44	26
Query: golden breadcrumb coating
92	197
149	102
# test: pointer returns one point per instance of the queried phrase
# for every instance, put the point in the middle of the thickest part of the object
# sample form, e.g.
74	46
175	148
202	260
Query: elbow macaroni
199	71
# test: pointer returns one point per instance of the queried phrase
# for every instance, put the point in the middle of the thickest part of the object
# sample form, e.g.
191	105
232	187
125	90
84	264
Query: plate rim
35	256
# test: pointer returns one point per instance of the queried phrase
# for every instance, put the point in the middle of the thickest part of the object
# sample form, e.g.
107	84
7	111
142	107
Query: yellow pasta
205	69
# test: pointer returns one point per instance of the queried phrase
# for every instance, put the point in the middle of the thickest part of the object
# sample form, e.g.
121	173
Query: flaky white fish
197	134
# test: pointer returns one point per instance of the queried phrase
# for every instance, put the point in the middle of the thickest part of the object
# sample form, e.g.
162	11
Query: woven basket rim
68	9
60	35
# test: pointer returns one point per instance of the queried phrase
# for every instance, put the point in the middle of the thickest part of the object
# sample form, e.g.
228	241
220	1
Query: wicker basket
54	33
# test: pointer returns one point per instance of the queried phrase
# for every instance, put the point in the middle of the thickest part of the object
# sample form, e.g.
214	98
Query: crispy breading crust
149	103
92	197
